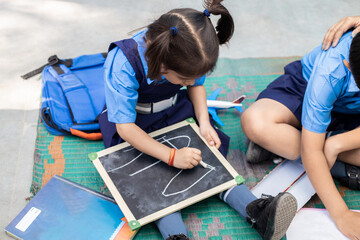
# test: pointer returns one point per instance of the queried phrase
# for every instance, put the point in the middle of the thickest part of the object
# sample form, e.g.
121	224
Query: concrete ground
33	30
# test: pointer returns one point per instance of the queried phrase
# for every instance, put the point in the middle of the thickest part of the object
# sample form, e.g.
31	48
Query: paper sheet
313	224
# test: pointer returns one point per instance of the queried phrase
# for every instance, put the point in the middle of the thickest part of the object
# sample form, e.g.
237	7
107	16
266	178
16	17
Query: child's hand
335	32
187	158
211	136
349	224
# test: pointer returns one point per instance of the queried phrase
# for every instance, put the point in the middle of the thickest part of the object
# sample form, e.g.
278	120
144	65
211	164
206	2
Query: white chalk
203	164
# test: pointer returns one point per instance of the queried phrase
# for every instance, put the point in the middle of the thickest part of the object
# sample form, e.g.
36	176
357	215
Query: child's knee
253	123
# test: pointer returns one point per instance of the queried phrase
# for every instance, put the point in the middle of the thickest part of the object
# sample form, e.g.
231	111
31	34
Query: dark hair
194	49
354	58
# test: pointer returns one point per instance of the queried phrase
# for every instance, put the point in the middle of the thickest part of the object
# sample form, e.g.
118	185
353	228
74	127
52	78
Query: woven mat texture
209	219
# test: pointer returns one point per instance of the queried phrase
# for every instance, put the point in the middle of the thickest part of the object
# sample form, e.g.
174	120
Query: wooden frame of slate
147	189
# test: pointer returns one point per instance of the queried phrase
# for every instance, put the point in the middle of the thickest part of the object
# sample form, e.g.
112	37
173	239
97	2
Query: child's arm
185	158
197	95
341	143
317	168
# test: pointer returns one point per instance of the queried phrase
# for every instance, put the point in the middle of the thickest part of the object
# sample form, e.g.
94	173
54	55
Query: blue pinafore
154	92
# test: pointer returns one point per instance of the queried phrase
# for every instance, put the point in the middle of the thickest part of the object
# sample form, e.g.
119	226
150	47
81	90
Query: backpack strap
52	61
80	103
55	62
130	49
77	97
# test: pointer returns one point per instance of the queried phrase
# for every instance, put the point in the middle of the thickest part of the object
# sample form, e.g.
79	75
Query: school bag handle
52	61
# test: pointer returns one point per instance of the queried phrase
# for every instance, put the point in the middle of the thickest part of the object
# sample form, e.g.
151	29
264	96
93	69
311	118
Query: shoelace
262	203
265	200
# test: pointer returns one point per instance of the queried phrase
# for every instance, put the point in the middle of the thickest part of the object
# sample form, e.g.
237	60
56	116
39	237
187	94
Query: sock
238	198
172	224
338	170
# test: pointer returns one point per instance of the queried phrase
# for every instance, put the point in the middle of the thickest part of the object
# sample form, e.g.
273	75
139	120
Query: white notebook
288	176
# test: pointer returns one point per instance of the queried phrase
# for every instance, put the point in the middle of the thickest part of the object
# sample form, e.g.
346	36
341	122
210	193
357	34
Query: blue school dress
121	104
320	90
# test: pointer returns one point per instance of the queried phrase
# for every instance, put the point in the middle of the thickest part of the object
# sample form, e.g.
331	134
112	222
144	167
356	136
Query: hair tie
207	13
174	30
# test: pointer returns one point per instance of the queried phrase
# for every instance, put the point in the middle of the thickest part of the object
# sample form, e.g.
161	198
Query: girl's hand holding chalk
187	158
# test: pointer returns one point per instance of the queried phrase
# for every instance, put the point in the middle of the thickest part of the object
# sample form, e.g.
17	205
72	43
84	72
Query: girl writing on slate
143	78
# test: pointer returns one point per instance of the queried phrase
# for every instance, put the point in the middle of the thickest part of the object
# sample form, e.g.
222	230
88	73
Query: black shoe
271	216
352	180
178	237
257	154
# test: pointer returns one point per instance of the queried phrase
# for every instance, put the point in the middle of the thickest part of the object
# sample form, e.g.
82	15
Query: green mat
208	219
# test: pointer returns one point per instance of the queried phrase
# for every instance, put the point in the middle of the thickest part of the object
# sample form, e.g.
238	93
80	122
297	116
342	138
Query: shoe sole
284	214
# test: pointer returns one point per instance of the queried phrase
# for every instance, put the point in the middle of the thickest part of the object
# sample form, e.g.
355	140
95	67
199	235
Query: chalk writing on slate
148	185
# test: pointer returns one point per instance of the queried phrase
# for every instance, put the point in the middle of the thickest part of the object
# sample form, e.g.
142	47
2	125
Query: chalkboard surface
148	185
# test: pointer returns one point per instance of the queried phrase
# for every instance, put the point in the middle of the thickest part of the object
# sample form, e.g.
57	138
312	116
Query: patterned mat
208	219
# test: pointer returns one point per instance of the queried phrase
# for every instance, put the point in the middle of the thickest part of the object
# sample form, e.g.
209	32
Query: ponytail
225	25
184	40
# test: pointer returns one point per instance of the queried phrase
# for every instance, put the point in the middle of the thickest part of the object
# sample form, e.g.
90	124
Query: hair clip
207	13
174	30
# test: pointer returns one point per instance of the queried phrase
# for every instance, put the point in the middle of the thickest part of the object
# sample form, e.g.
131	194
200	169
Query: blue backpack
72	95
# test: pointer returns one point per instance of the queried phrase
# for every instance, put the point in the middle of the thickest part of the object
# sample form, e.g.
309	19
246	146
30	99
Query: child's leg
270	216
266	120
172	224
238	198
347	169
347	166
273	121
338	170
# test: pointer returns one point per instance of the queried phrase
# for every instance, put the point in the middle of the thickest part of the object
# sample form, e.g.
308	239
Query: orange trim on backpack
88	136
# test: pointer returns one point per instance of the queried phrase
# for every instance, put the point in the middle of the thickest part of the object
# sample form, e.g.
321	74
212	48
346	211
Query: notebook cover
66	210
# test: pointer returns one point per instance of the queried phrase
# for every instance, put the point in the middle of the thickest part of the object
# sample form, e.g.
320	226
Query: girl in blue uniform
293	114
143	78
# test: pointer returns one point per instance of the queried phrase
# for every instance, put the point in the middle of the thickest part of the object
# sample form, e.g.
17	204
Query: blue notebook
66	210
